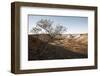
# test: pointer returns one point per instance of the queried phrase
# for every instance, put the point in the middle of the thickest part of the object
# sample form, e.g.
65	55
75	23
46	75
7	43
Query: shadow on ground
38	51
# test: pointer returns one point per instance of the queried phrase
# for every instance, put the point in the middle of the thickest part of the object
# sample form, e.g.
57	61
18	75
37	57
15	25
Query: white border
25	64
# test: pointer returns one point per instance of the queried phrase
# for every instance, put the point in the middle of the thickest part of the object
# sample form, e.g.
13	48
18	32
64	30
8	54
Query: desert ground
65	46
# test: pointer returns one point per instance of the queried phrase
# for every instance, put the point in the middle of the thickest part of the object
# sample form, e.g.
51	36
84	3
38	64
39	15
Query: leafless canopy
48	27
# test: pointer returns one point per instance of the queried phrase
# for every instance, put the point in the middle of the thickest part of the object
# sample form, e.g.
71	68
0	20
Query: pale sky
73	23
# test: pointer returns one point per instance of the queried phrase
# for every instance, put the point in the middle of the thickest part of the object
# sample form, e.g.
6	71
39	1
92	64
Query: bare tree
49	28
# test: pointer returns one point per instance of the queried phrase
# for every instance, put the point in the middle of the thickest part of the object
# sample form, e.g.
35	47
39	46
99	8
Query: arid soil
67	47
79	45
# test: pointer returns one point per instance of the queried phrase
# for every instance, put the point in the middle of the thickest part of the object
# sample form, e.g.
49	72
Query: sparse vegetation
65	48
54	44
